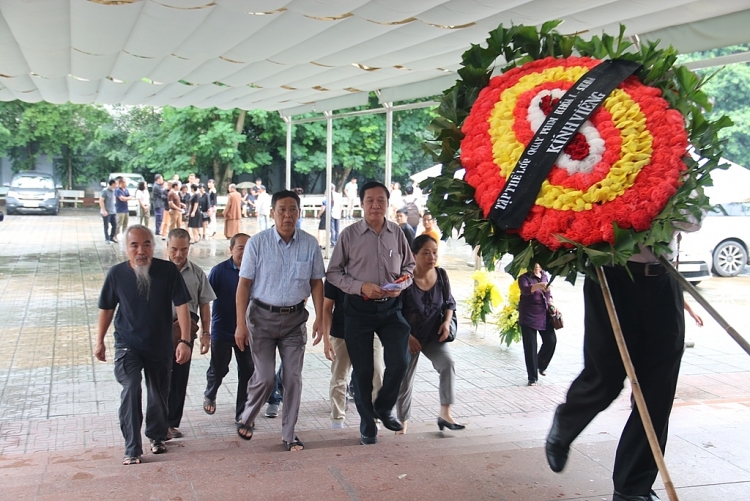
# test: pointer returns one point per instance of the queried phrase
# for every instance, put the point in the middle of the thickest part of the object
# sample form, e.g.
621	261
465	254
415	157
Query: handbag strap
443	286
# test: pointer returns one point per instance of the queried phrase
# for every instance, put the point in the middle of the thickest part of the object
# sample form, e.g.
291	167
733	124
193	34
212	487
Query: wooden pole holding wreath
640	402
706	305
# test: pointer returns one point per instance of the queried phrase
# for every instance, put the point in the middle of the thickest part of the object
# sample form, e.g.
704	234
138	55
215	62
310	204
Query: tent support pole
329	180
288	180
388	143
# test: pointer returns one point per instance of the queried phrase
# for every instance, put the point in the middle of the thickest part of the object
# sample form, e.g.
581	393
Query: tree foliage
89	141
729	88
30	129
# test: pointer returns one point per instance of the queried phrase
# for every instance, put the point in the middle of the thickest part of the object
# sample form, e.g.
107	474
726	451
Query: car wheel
730	258
11	212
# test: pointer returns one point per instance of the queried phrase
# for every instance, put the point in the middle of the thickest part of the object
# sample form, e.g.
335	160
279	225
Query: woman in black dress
203	205
195	221
423	304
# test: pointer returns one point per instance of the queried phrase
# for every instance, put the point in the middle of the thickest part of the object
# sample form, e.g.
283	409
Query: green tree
192	140
359	146
729	89
30	129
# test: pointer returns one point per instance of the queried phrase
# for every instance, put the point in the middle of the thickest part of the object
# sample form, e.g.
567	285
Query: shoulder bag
553	314
453	328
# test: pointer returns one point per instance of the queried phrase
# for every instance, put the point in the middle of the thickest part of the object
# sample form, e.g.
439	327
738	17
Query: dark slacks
537	362
128	367
158	218
110	226
221	354
650	310
364	319
178	390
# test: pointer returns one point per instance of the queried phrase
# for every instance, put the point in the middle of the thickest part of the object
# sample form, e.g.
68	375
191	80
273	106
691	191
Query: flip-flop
209	406
244	431
128	460
297	445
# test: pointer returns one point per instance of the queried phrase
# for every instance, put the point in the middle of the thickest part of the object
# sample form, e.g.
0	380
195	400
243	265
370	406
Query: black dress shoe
389	421
651	496
442	423
363	440
557	453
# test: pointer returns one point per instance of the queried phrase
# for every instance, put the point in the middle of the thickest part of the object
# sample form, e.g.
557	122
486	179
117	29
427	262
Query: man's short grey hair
232	185
180	233
139	227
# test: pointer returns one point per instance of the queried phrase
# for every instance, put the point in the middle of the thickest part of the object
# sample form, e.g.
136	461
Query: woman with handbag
429	308
534	316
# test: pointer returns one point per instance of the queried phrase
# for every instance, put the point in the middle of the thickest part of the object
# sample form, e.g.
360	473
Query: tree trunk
225	178
70	172
340	181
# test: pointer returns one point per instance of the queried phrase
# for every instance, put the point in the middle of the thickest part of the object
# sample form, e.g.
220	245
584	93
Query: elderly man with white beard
142	290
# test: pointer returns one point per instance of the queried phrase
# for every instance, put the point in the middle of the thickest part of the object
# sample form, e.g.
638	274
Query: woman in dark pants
533	318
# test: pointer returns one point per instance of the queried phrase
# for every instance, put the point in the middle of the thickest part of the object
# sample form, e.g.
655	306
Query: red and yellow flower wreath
622	166
624	180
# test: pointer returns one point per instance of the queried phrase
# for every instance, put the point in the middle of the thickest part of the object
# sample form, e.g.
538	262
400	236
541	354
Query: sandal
209	406
158	447
245	431
297	445
128	460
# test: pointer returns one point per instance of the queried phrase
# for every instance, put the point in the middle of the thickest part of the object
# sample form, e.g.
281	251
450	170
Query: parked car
694	264
32	192
131	180
725	233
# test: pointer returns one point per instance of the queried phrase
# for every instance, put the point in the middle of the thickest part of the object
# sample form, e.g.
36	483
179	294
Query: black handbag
553	315
453	329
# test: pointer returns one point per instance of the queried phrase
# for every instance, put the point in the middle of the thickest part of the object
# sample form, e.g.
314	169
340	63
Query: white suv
725	236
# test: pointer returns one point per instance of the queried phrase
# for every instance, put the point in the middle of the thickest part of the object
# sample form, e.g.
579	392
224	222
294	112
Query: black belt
379	300
647	269
280	309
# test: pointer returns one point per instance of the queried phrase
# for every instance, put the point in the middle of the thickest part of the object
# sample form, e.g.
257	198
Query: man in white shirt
263	207
350	190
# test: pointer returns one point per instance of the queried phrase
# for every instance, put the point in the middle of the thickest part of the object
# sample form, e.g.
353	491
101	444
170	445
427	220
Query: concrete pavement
59	434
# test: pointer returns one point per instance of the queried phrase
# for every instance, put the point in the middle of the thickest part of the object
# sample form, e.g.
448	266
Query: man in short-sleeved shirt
371	253
143	290
281	268
224	278
201	295
108	212
122	195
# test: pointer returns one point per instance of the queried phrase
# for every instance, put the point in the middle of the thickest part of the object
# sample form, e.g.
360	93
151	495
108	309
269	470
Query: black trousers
363	319
221	355
650	310
178	390
537	362
128	367
158	217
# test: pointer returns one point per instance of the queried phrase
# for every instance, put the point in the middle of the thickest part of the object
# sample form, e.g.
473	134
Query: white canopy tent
297	55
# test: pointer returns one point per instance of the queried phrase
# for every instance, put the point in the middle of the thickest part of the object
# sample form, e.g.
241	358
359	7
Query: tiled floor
59	433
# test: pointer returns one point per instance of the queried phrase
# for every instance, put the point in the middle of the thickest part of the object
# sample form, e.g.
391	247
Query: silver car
34	192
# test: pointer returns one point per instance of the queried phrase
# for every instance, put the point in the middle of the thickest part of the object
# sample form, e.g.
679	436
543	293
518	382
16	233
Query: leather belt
280	309
647	269
369	299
